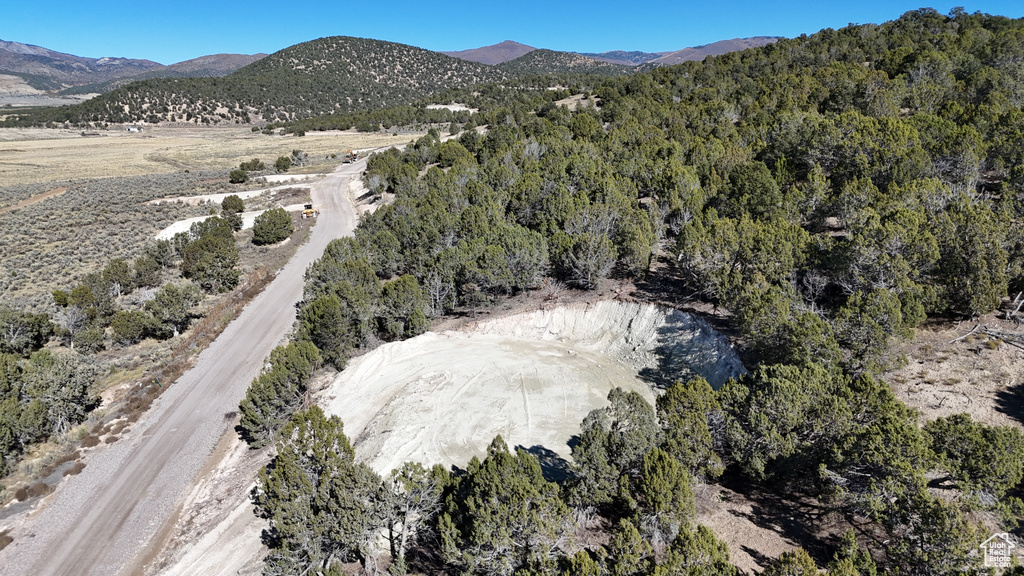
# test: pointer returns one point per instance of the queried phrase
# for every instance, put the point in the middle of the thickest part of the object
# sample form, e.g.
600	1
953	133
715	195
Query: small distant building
133	128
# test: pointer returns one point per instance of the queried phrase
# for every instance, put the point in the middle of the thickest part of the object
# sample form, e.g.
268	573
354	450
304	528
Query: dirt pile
442	397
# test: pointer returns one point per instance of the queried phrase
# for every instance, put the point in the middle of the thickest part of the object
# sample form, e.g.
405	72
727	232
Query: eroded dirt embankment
532	378
442	397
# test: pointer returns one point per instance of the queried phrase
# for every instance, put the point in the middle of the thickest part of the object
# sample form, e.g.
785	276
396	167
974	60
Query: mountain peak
493	54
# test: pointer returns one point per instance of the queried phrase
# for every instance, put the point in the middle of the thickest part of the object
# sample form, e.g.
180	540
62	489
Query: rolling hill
551	62
331	75
714	49
212	66
631	58
334	74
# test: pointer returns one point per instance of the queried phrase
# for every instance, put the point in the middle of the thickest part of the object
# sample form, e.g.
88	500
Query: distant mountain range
45	69
494	54
337	74
508	50
713	49
48	70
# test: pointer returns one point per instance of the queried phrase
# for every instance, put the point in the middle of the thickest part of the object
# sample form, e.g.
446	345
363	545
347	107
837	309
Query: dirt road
108	519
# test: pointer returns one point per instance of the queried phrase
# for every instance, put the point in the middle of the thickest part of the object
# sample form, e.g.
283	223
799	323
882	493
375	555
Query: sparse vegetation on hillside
330	75
335	75
551	62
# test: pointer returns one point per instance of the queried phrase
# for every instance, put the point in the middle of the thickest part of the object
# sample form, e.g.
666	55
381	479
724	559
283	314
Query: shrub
255	164
271	227
238	176
131	326
89	341
232	204
234	219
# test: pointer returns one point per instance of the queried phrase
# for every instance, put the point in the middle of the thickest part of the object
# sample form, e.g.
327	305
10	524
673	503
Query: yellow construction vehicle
310	212
349	157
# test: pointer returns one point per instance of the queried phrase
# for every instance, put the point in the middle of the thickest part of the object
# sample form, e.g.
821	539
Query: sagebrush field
106	180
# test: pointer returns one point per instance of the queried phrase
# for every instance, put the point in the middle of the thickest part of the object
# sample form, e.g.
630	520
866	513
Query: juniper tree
502	516
271	227
322	506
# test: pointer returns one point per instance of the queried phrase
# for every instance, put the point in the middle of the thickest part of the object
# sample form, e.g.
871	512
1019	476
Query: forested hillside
829	192
334	74
552	62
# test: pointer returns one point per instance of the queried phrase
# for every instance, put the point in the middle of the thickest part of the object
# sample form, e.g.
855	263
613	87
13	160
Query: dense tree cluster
829	191
41	396
108	299
208	255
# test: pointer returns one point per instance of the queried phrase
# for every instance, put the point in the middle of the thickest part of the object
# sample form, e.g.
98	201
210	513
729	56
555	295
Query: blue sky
176	30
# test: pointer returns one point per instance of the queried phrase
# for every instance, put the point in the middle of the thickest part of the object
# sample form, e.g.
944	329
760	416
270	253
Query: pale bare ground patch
576	101
39	155
454	107
733	519
947	373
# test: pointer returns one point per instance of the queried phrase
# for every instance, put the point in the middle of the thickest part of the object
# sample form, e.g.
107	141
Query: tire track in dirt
34	199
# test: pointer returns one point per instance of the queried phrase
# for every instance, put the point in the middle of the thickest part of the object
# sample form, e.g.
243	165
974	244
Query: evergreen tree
502	516
321	505
271	227
277	392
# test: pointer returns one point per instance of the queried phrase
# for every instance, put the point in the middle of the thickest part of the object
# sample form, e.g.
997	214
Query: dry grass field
33	155
71	203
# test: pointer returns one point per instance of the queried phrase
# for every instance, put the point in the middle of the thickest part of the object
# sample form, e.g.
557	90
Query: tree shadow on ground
760	557
554	467
687	347
1011	402
797	518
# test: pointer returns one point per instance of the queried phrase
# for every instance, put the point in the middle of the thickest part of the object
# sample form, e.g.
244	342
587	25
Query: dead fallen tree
1015	339
1014	312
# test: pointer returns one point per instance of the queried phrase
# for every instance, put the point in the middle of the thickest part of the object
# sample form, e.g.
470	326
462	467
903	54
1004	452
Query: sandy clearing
285	178
576	101
248	220
355	188
947	375
218	198
442	397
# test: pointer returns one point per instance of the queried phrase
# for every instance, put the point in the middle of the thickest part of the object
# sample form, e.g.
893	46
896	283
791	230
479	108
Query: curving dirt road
107	520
